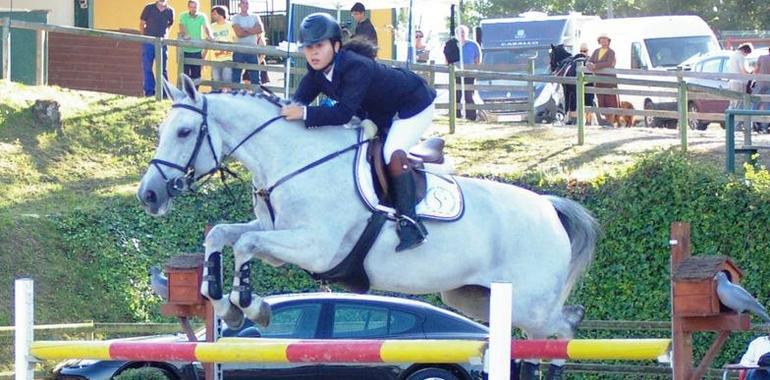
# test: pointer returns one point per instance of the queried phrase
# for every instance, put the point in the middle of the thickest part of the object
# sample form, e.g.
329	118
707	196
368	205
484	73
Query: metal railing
666	84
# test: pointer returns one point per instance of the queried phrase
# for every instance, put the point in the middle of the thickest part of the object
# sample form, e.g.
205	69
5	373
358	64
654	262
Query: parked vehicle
713	62
658	43
323	316
509	43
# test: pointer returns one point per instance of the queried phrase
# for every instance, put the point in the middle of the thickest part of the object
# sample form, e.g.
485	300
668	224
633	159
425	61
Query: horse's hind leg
565	327
471	300
211	287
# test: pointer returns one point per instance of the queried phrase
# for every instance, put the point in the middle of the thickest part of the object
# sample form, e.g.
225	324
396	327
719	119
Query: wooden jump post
695	305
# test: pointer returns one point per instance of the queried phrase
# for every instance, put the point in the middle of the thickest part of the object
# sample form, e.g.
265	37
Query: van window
671	51
712	66
636	56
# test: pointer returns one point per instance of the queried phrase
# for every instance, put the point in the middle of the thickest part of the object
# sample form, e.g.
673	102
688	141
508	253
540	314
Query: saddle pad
443	197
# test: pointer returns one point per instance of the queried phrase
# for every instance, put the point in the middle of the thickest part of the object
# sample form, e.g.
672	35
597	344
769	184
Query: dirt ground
552	150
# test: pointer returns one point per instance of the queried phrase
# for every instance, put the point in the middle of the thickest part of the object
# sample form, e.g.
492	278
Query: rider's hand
293	112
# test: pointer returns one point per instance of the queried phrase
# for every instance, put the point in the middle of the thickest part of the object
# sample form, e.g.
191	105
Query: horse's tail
583	231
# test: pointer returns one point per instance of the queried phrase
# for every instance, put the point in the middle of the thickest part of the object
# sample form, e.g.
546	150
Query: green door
81	13
23	45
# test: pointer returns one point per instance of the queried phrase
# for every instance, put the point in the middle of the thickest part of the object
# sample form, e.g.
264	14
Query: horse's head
188	149
558	54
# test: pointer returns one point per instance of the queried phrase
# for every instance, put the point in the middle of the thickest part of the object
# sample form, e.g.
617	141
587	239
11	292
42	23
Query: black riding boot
410	229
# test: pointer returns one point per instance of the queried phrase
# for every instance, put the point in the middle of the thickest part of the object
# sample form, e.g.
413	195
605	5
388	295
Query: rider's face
319	55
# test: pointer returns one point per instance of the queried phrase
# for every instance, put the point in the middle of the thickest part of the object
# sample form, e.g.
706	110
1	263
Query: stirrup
404	221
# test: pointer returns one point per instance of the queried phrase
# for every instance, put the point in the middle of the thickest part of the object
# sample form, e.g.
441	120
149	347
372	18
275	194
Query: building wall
61	12
383	22
96	64
124	14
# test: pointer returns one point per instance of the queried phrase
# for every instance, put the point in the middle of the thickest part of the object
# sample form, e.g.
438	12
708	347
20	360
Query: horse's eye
183	132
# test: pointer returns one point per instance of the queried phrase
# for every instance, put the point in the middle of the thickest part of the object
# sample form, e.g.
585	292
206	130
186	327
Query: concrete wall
61	12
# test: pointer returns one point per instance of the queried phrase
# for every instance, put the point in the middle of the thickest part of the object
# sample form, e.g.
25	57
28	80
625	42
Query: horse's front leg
299	247
211	287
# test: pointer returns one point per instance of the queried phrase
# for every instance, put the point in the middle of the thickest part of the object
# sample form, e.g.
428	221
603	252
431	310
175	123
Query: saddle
429	151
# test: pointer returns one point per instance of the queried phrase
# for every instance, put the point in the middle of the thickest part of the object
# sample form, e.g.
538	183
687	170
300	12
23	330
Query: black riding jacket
361	86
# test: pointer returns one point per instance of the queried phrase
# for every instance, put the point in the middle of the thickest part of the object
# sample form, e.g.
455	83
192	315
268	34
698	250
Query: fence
665	84
91	330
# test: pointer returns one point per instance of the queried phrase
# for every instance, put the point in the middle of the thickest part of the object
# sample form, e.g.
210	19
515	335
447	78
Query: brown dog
628	120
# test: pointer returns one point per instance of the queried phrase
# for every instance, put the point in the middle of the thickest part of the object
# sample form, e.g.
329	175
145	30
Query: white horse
541	244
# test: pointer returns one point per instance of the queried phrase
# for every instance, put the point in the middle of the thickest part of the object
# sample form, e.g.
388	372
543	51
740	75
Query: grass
45	171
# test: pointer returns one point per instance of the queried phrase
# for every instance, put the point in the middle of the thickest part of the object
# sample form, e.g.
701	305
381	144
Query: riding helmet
317	27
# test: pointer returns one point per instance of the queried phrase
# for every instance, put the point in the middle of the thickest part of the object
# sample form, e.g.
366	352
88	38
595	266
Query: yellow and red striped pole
264	350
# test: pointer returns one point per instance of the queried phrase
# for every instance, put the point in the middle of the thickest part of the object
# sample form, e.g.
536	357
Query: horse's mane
263	93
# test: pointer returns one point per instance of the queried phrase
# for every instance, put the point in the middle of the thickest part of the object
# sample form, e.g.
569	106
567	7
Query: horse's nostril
150	196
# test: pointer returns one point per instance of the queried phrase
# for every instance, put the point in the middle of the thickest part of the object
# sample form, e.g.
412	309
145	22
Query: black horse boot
410	230
529	371
555	372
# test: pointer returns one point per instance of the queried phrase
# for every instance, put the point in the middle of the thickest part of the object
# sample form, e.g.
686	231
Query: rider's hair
361	46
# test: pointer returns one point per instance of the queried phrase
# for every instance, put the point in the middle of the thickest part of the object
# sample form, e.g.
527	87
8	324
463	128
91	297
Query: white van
658	43
511	42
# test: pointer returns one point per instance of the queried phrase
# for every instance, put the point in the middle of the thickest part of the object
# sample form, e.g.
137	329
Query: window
711	65
299	321
671	51
370	322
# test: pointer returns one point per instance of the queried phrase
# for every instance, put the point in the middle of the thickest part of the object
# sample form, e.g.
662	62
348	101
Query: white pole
287	62
24	322
500	304
462	63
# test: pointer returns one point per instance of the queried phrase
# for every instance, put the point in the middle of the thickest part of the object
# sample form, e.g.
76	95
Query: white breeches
404	133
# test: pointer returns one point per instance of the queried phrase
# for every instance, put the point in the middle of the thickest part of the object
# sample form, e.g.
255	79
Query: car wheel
696	124
432	374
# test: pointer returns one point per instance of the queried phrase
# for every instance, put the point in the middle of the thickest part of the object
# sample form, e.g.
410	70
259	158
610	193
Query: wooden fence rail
666	84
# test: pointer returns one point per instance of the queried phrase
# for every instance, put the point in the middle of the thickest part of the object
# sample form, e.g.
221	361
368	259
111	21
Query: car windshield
519	58
670	52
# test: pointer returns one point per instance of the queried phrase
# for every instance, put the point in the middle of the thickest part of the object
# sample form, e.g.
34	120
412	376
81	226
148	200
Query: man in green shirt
191	26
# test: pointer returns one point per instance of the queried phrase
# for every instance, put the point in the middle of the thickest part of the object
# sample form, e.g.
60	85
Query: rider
397	100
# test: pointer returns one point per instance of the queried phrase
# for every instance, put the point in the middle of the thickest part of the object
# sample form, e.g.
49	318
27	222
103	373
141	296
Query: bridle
186	183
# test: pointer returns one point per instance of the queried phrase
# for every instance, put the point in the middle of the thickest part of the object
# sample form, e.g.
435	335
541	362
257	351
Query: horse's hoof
264	315
574	314
233	317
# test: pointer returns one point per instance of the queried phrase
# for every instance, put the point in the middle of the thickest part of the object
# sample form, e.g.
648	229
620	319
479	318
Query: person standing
604	58
249	29
762	87
737	65
422	51
154	21
364	27
471	55
222	31
191	26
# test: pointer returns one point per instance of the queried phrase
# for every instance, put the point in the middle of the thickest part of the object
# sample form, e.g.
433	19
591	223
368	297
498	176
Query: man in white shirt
249	29
737	65
756	356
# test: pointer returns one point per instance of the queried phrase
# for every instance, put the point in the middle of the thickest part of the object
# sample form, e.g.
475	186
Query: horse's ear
171	91
188	86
